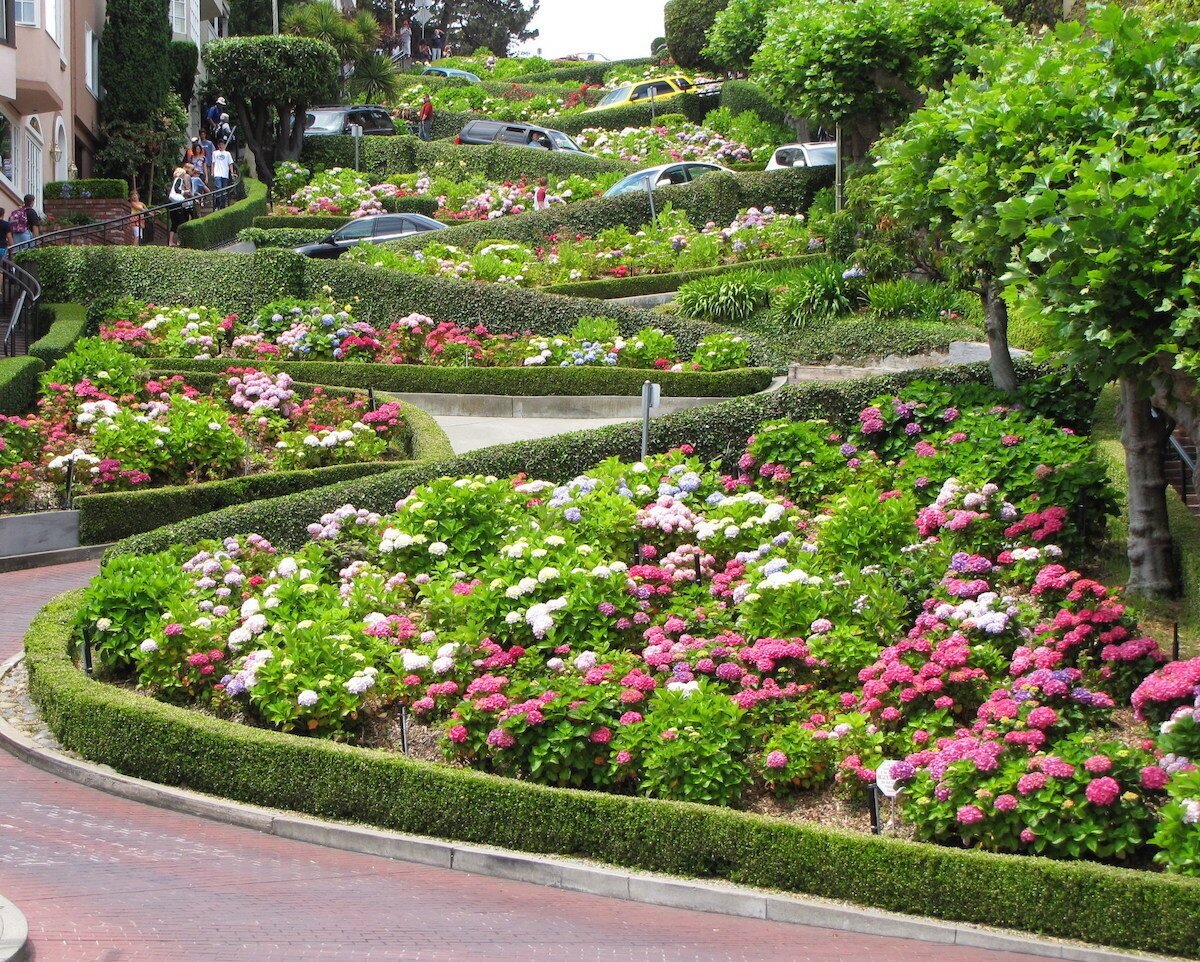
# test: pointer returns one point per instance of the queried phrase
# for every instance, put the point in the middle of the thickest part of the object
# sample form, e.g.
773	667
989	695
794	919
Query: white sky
615	28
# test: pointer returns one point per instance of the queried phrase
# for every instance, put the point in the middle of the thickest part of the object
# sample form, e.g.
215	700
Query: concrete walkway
471	433
102	879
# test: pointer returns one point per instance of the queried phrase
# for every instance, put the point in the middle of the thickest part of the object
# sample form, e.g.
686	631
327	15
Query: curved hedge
164	743
584	72
508	381
384	157
641	284
716	431
246	282
221	226
68	325
18	383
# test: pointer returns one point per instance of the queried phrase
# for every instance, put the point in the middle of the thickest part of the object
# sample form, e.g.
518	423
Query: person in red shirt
425	118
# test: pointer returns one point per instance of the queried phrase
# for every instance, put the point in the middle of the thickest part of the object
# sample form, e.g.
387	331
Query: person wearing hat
214	113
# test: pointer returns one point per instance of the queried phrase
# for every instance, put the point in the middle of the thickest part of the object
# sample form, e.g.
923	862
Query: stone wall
96	209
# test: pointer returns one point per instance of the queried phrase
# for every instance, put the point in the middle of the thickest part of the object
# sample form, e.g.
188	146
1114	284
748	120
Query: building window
179	17
7	150
54	21
91	60
26	11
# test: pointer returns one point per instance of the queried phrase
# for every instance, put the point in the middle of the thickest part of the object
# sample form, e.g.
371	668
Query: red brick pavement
101	879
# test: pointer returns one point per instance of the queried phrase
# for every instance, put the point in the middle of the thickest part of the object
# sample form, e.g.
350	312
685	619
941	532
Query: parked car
661	88
369	230
820	153
589	57
515	134
450	72
665	175
327	121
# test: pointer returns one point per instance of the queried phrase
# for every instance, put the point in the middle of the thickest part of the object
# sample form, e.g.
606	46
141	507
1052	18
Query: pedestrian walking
181	190
209	148
214	113
425	119
438	43
222	173
5	235
139	223
25	222
199	189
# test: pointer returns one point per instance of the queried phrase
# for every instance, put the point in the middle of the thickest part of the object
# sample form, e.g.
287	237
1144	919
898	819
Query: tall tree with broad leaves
270	82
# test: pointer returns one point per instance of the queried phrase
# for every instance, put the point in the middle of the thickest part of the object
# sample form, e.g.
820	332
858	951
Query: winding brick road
102	879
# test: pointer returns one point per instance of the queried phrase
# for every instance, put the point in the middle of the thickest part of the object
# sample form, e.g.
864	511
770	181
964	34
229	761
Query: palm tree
375	79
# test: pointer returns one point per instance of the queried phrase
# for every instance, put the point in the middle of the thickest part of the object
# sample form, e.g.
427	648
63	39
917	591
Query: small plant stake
70	483
404	729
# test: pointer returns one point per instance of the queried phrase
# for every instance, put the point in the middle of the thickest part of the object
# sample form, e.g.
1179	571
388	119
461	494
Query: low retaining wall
22	534
961	352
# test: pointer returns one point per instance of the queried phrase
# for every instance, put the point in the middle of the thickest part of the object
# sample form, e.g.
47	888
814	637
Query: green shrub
727	299
738	96
222	226
816	292
282	236
907	299
69	324
586	72
19	383
90	188
640	284
243	283
507	381
858	338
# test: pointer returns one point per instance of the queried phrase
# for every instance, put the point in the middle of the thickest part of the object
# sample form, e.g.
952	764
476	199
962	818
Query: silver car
665	175
369	230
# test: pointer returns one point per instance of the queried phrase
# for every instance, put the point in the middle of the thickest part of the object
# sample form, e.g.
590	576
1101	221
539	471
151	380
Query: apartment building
50	85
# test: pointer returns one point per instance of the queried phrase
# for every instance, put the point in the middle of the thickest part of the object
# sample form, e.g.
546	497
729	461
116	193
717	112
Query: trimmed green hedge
69	325
121	514
384	157
19	383
87	188
286	237
641	284
245	282
716	431
164	743
742	95
222	226
714	197
507	381
584	72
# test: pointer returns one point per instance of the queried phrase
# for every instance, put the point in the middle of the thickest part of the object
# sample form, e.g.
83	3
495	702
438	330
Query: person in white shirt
222	165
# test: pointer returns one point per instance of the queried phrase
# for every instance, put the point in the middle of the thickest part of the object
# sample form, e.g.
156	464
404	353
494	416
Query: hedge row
509	381
714	197
87	188
584	72
716	431
68	325
741	95
286	237
111	517
222	226
384	157
18	383
642	284
245	282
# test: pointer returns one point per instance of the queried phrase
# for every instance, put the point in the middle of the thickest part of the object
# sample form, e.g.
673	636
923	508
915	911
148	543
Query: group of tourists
428	51
207	167
23	224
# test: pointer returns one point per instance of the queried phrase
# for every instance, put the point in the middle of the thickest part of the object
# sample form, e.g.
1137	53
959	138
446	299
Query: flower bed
321	330
120	428
672	139
847	597
668	245
512	101
339	191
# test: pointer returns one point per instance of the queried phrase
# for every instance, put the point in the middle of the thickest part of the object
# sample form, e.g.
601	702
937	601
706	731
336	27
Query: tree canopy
737	33
687	23
270	82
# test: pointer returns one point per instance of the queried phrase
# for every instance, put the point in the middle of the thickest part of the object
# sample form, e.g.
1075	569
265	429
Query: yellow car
633	93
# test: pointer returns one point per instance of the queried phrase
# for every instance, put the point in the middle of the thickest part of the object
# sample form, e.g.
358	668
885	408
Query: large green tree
866	64
137	117
469	24
270	82
687	23
737	33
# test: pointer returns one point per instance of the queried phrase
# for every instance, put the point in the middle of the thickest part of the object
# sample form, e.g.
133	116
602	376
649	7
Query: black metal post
371	400
873	804
70	483
699	570
1175	642
87	652
637	552
404	729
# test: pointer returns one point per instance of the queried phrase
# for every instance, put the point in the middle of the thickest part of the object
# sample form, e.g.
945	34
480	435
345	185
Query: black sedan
369	230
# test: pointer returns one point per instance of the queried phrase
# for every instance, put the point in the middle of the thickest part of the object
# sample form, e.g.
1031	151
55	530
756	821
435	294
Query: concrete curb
14	932
44	559
572	874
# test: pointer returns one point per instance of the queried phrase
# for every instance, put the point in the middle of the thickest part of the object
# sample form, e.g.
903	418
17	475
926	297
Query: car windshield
823	156
614	96
682	83
562	141
323	120
632	182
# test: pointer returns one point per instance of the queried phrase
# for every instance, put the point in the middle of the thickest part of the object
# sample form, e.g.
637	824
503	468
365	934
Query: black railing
21	293
1187	463
118	229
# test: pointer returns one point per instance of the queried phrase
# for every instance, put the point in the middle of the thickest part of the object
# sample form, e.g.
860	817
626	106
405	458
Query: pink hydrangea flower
970	814
777	759
1103	791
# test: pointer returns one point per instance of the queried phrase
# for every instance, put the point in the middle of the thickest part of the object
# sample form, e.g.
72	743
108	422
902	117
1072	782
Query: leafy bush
816	292
907	299
18	383
93	188
222	226
69	324
687	23
282	236
727	299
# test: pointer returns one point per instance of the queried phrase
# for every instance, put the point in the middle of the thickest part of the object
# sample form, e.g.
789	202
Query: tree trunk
1152	569
1004	375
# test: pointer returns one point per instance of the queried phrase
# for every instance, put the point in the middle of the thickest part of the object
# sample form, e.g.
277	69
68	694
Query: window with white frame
26	12
91	60
8	152
179	17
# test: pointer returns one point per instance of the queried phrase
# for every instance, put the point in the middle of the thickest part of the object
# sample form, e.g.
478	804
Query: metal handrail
25	307
73	235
